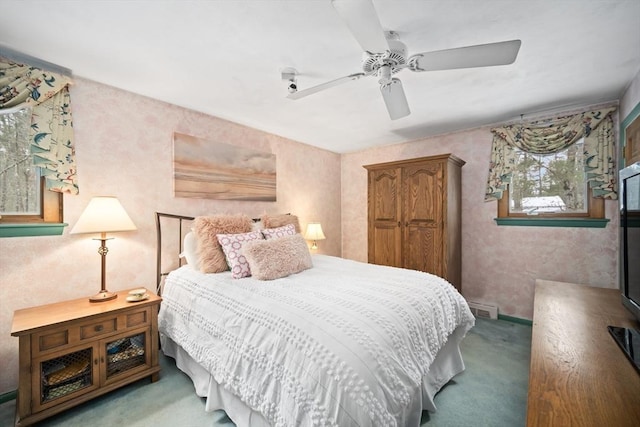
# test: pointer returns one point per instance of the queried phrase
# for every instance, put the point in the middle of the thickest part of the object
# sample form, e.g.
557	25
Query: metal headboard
181	219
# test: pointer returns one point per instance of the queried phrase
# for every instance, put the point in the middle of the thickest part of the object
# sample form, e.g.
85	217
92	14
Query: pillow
210	255
257	225
275	258
190	250
232	247
276	233
275	221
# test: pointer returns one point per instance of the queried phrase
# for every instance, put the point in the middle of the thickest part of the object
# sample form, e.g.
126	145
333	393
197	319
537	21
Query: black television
629	338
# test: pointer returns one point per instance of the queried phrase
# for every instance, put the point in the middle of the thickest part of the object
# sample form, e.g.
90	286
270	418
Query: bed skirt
447	364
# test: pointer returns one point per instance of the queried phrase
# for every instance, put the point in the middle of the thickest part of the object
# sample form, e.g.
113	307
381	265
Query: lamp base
103	296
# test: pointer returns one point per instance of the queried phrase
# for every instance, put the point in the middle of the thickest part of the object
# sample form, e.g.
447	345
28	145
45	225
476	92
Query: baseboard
6	397
515	320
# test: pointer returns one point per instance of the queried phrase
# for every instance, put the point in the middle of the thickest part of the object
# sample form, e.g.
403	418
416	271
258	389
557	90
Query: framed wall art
205	169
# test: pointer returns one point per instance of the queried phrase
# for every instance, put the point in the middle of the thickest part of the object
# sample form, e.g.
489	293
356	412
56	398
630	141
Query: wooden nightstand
73	351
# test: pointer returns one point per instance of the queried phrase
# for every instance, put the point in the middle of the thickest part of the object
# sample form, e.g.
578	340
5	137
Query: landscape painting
206	169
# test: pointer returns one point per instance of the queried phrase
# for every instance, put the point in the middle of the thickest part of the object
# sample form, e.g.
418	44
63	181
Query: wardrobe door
385	244
423	192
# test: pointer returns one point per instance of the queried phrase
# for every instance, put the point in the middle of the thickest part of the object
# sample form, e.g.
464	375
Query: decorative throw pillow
275	258
210	255
276	233
274	221
190	250
232	247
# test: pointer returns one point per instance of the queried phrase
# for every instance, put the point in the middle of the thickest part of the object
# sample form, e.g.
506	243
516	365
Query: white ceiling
224	58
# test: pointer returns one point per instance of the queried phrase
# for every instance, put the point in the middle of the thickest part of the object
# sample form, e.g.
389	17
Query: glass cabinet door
126	354
62	377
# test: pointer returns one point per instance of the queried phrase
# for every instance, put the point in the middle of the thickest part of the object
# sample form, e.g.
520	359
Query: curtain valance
550	136
47	94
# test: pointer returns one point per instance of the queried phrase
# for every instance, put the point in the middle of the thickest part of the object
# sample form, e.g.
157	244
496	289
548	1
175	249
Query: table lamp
314	233
103	215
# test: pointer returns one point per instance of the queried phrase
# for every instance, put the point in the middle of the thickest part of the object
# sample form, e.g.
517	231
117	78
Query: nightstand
73	351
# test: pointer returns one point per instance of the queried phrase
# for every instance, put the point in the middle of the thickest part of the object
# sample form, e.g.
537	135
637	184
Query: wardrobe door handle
399	224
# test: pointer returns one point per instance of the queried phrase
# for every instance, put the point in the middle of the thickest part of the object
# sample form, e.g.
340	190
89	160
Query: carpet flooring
492	391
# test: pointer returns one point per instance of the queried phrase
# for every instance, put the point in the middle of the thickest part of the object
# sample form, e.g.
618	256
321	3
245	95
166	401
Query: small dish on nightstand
135	298
137	295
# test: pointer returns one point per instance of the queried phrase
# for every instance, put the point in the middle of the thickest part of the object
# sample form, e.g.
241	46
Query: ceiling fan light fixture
384	74
395	99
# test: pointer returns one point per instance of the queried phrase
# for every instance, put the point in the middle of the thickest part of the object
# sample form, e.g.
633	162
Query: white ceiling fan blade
395	99
302	93
363	22
482	55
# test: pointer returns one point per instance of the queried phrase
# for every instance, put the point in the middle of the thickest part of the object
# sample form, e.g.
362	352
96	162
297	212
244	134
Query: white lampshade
314	231
103	214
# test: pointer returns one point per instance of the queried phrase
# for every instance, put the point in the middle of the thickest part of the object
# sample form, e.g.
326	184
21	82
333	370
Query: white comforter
341	344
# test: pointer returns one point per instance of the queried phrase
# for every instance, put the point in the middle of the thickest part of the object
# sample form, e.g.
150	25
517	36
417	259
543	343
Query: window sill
553	222
32	229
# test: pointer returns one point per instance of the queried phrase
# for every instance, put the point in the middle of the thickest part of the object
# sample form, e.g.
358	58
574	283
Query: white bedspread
341	344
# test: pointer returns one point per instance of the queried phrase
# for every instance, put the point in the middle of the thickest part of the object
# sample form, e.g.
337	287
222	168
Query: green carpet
492	391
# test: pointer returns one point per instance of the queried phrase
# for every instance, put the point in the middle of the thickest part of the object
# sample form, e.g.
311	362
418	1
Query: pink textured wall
499	264
631	98
124	148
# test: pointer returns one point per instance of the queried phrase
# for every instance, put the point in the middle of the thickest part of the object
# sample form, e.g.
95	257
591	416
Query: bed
342	343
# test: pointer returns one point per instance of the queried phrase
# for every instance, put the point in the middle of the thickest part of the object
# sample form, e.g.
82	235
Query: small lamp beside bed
103	215
314	233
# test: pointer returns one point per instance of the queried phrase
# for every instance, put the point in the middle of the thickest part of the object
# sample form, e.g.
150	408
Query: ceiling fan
385	55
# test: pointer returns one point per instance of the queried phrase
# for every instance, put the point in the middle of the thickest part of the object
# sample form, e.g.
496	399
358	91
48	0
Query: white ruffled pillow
275	258
257	225
232	245
190	250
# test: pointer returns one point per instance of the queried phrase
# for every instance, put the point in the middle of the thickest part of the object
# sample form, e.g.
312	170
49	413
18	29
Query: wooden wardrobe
415	215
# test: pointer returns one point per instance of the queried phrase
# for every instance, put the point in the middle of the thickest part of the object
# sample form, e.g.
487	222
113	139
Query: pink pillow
273	221
276	233
275	258
210	256
232	247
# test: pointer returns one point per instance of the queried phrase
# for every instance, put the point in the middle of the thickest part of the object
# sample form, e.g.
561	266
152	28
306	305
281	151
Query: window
550	185
19	178
23	197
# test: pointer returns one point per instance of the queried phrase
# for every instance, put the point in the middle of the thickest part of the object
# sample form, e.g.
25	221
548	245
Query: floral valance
47	94
553	135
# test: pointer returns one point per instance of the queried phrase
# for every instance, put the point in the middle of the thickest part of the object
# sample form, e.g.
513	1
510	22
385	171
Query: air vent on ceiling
485	311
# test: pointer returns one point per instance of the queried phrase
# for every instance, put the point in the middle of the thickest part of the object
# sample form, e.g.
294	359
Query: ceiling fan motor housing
396	57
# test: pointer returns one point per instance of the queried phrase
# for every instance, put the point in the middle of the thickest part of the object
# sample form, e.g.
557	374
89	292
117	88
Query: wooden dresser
579	376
